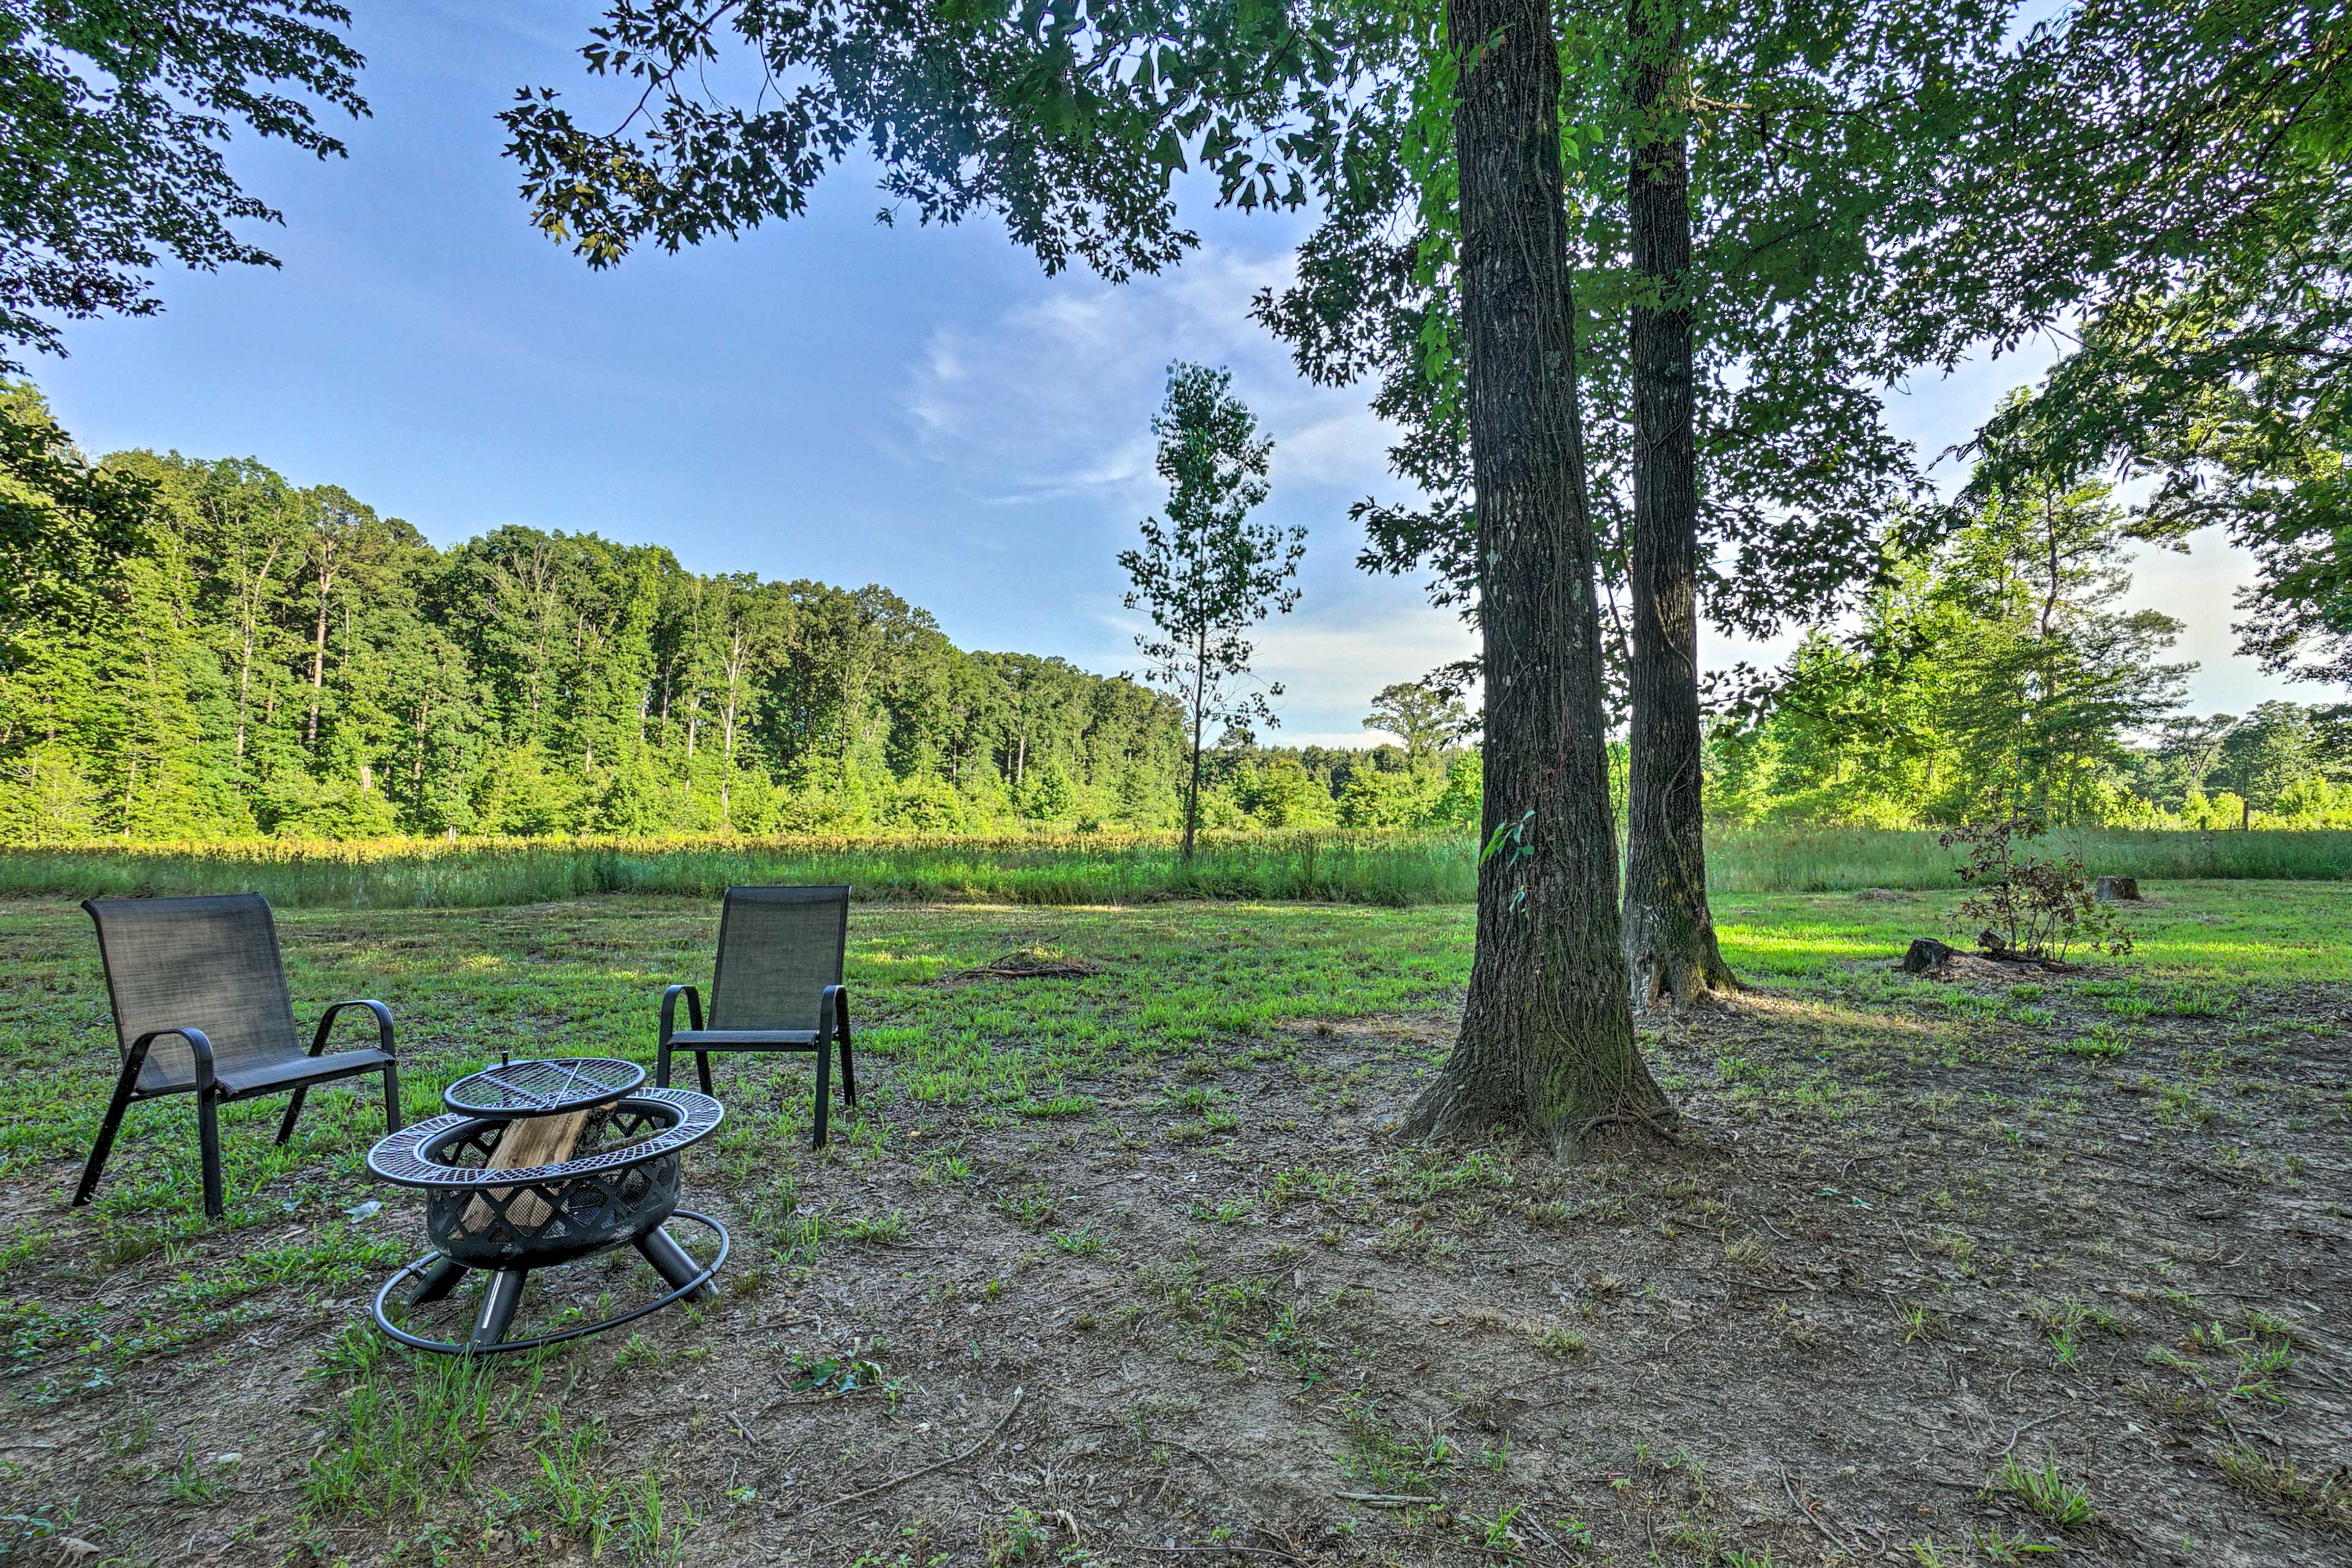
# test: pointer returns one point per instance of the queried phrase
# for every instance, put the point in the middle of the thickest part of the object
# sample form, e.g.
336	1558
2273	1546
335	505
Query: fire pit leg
499	1300
670	1260
439	1278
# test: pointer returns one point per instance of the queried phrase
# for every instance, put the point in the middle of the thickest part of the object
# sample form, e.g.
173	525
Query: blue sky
828	398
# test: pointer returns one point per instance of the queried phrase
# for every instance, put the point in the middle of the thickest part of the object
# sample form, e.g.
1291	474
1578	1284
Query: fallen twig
1207	1463
981	1442
842	1397
1386	1499
1811	1518
1027	964
2028	1427
1227	1547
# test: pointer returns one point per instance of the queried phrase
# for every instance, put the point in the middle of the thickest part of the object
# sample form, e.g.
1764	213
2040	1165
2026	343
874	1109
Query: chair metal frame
833	1025
210	1095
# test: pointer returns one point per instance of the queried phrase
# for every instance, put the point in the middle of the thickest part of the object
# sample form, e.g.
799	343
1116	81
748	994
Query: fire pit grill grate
408	1157
543	1087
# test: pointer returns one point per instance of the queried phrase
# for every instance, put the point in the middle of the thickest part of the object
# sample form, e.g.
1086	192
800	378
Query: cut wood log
529	1140
2116	890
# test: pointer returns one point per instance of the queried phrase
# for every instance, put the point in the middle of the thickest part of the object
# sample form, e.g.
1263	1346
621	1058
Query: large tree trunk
1670	947
1547	1037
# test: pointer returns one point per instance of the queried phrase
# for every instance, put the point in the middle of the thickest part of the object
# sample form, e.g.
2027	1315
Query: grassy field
1385	869
1942	1274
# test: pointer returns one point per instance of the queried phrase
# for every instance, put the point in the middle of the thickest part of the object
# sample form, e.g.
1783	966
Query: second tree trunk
1669	933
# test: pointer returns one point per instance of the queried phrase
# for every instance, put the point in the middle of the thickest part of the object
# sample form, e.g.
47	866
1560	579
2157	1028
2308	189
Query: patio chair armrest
831	1012
670	1009
200	1051
382	1024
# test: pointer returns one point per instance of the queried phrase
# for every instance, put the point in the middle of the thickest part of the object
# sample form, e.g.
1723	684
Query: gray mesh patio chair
778	988
200	1007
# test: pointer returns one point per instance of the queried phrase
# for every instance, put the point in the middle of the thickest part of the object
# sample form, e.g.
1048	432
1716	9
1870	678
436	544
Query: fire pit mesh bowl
618	1188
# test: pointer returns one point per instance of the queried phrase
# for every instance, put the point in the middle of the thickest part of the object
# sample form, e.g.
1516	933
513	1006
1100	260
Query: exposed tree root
1673	982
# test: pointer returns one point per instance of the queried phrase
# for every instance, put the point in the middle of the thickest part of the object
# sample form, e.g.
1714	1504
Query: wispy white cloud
1329	666
1052	397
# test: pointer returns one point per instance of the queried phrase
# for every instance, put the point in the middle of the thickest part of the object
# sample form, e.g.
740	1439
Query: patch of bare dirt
1027	964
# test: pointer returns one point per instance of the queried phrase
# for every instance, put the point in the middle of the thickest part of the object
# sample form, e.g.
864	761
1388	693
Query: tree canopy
112	149
2182	214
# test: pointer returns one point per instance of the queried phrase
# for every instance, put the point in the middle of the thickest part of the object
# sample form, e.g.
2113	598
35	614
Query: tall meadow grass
1357	867
1393	869
1830	860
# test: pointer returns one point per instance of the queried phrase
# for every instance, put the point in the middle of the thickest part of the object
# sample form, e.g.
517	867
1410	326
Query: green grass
1178	984
1384	869
2198	942
1181	989
2043	1488
972	1080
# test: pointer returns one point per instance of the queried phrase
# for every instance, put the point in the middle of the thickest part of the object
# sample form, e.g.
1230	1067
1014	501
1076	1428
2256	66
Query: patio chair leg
391	1097
823	1094
105	1131
293	1114
702	1070
848	1078
208	1146
661	1065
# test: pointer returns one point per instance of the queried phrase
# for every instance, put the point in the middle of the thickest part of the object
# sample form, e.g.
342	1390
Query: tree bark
318	667
1547	1038
1200	703
1671	951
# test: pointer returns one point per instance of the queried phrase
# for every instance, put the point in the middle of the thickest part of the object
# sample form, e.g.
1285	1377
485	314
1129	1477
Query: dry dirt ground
1938	1275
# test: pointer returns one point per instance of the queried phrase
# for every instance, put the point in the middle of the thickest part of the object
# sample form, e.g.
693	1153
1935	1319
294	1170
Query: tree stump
2116	890
1926	956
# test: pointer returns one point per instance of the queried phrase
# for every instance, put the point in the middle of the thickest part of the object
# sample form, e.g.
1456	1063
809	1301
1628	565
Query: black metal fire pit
616	1187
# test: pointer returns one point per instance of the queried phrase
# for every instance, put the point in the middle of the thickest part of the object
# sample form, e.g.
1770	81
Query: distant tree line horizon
277	660
271	659
1993	671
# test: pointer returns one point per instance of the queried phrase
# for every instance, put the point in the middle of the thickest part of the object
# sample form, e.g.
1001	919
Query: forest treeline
1997	670
268	659
279	659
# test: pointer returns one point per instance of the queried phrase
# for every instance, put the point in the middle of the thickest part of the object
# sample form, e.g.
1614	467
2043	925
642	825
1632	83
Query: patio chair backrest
779	948
208	963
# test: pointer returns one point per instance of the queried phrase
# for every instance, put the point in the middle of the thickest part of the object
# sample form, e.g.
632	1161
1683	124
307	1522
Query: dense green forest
271	659
1996	671
281	659
267	659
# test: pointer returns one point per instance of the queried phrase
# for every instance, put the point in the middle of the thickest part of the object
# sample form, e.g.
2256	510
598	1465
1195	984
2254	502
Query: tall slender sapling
1207	574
